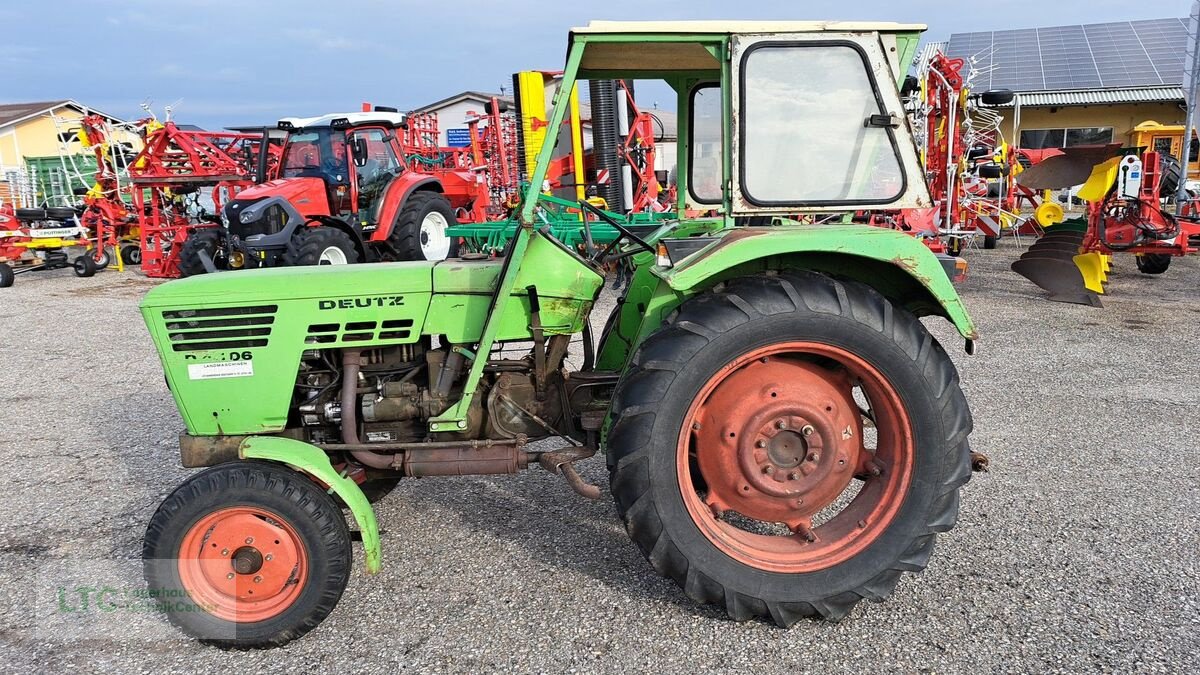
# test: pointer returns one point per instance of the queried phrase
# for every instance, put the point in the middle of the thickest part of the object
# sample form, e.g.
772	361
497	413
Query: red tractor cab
344	193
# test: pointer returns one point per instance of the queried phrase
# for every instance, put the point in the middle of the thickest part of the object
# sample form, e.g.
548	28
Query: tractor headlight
247	216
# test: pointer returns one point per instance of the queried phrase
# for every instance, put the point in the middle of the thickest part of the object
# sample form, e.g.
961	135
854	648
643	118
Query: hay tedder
784	437
968	164
1129	197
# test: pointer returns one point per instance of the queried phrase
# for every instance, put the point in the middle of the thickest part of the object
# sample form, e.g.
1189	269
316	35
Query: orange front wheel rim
243	564
795	457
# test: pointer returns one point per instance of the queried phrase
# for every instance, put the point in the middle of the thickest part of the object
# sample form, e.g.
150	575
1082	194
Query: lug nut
258	579
760	444
814	457
808	430
781	424
249	540
229	576
270	557
224	551
793	476
767	470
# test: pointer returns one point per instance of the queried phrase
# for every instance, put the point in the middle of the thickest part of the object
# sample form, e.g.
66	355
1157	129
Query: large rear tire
211	240
1153	263
419	232
320	246
247	554
738	443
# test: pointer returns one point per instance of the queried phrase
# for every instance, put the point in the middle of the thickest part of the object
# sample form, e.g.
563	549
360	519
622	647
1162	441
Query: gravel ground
1078	552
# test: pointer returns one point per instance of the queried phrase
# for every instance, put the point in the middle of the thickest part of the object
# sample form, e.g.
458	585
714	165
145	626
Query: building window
1041	139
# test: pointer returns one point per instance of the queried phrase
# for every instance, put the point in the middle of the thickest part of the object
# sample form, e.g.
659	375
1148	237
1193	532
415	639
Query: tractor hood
306	193
326	282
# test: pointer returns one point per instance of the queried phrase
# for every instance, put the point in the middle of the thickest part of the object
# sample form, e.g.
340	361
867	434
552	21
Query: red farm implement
176	171
1128	198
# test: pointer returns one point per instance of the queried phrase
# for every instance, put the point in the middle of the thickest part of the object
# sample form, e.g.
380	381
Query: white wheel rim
332	256
435	243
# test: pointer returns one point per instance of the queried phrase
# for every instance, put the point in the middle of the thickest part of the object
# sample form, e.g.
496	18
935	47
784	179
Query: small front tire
7	276
1153	263
85	266
211	240
247	554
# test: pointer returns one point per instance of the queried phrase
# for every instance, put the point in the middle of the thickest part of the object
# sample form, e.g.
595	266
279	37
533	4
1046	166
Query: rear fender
897	265
313	461
394	198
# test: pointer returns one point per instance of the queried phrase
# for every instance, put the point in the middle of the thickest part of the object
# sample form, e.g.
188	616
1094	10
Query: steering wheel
626	233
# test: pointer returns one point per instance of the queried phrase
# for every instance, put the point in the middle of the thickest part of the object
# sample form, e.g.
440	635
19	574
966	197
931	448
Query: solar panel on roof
1092	56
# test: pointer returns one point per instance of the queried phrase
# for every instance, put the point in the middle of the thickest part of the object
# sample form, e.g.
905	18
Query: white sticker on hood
214	371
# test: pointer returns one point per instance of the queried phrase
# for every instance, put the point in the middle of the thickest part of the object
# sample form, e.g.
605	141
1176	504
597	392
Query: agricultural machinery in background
181	180
1130	198
968	165
33	239
350	187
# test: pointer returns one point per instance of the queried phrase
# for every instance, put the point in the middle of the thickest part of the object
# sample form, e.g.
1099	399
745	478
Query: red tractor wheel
247	554
788	446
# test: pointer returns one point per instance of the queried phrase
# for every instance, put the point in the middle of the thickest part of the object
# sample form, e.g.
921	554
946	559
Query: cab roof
352	119
644	48
731	27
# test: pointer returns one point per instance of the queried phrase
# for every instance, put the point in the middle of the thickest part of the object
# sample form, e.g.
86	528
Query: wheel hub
242	564
779	440
247	560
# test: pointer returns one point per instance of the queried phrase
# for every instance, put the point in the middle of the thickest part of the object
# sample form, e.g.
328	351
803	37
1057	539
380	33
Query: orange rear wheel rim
773	441
243	564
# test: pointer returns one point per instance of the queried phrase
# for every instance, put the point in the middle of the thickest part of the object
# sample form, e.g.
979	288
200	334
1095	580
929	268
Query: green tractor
783	436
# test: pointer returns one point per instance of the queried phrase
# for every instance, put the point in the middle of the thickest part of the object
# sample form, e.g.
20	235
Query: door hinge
889	121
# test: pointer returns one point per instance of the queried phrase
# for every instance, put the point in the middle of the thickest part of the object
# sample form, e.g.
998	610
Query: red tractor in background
350	187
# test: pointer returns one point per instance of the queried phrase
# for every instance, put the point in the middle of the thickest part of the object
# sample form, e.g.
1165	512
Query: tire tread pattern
697	322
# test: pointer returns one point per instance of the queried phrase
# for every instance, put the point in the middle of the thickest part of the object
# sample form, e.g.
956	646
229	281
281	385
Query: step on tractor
351	187
782	434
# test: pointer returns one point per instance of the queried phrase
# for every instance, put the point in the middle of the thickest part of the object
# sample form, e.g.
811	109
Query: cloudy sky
224	62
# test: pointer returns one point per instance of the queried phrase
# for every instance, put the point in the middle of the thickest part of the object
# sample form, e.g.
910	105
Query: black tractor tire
990	242
406	237
285	495
30	214
309	244
131	254
1171	174
60	213
997	97
1153	263
7	276
696	344
85	266
208	239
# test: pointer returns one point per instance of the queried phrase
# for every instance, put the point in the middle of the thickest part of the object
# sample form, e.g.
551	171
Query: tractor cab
354	155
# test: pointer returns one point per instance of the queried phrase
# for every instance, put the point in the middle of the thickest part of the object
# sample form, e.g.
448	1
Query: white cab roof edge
728	27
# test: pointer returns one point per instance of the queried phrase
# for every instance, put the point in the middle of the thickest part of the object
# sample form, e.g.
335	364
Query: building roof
1099	97
1118	55
480	96
13	113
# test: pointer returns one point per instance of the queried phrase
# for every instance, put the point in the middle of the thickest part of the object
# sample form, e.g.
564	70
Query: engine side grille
192	330
359	331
